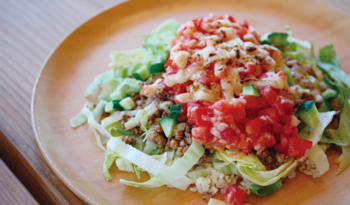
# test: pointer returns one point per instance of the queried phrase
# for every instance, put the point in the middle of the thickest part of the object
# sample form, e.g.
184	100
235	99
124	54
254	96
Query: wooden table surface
29	31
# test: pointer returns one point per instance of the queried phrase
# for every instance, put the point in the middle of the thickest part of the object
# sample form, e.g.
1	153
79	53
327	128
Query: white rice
308	167
214	183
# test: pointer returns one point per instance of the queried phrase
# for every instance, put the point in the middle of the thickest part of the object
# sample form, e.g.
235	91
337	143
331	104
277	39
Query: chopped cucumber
116	129
127	103
156	68
149	147
118	95
175	111
250	90
308	113
113	106
143	115
289	76
133	90
134	68
325	107
123	72
329	94
168	125
127	84
142	73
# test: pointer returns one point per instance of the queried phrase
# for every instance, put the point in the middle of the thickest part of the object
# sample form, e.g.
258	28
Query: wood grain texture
11	189
29	31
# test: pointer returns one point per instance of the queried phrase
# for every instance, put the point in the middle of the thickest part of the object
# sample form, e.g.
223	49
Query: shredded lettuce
318	156
265	190
172	174
250	167
128	58
292	47
81	118
157	42
343	159
110	157
194	175
154	167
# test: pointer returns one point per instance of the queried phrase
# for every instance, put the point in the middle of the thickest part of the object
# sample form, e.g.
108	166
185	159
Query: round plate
58	95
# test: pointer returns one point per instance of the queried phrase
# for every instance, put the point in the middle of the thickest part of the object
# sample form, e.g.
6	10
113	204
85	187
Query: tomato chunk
183	114
253	126
234	195
222	106
201	115
282	146
201	134
269	94
297	147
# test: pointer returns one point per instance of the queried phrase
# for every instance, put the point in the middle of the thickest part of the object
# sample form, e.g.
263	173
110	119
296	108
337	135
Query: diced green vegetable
156	151
116	129
289	76
127	103
113	106
265	190
156	68
325	107
266	42
168	125
329	94
142	73
250	90
279	39
175	111
149	147
118	95
308	113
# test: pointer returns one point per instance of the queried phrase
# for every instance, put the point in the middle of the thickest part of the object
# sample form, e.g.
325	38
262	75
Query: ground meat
158	128
202	159
136	131
178	134
171	144
123	121
157	138
181	151
269	159
129	140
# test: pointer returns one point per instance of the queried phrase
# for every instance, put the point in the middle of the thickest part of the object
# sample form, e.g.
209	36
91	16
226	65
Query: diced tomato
198	25
297	147
254	102
277	127
183	114
286	129
248	149
170	70
267	116
234	195
294	132
244	24
250	68
190	112
269	94
241	32
287	104
228	135
169	63
228	119
269	139
277	106
253	126
282	146
201	134
243	143
181	88
286	119
231	18
201	113
222	106
238	110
